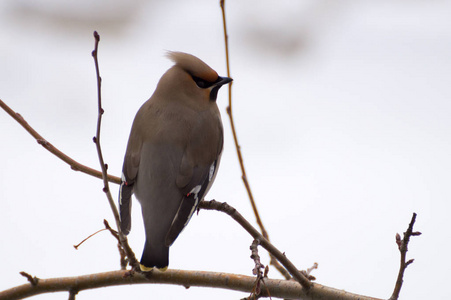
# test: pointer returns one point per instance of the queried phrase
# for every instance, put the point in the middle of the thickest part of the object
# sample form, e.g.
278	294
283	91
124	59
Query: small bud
266	271
398	240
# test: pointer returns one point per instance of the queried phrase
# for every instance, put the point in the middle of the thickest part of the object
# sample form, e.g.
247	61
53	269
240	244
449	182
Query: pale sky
342	110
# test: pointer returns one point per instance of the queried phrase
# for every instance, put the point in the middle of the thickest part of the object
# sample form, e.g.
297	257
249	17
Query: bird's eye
203	84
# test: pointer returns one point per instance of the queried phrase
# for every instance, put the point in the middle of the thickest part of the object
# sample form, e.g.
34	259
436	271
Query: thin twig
122	238
107	227
259	270
224	207
256	258
123	254
90	236
76	166
112	231
238	148
309	270
402	246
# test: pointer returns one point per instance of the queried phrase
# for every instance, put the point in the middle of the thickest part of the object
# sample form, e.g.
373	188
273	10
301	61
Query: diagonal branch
76	166
224	207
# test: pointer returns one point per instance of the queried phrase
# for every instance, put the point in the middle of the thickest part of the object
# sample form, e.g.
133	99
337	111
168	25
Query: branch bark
276	287
224	207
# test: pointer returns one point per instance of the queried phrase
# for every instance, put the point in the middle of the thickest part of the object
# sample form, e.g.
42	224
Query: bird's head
191	79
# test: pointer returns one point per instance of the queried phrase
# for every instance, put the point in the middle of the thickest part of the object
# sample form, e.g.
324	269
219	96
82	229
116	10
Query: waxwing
172	155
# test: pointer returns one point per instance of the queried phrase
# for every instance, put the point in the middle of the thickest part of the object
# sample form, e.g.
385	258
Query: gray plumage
173	154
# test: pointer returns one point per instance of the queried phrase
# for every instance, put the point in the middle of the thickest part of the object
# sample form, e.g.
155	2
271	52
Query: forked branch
224	207
402	246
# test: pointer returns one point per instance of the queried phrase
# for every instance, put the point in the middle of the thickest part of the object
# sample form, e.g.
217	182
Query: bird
173	154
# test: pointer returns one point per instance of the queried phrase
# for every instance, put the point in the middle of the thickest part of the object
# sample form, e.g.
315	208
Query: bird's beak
217	85
222	80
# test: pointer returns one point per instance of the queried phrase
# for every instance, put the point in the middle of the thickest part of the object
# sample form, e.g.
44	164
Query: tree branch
76	166
273	261
122	238
402	246
224	207
257	271
276	287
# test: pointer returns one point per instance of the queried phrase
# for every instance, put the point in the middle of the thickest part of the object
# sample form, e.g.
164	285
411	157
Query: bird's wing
201	181
129	173
197	172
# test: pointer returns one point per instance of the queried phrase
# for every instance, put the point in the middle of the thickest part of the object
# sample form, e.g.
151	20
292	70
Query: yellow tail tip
147	269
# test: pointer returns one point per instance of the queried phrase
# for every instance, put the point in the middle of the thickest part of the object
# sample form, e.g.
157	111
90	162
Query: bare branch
277	287
256	258
87	238
258	271
96	139
224	207
122	238
402	246
76	166
238	148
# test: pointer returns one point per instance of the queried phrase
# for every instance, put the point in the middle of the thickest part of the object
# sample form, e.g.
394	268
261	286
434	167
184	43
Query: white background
342	110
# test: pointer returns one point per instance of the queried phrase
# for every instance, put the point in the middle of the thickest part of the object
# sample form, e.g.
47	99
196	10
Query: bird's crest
193	65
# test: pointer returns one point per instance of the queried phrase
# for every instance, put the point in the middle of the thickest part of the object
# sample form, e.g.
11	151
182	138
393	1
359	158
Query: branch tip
33	280
403	248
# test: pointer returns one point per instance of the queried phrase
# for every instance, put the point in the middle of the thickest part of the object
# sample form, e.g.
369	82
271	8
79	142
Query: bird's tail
155	257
